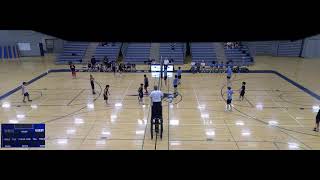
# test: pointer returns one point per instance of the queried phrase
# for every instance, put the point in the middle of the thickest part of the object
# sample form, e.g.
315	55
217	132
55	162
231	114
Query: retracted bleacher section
73	52
137	53
263	47
239	56
178	54
289	48
203	51
110	50
277	48
10	52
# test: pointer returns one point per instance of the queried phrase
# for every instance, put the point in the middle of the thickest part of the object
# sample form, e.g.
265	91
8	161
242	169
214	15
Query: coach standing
316	128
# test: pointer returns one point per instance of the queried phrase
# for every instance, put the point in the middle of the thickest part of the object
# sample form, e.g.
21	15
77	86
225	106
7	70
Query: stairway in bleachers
177	54
89	52
155	51
111	50
137	53
72	52
239	56
220	52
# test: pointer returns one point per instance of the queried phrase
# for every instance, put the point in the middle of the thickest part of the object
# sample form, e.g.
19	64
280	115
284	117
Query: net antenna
161	70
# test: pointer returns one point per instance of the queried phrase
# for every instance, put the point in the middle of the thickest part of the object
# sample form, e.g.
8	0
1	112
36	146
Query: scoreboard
22	135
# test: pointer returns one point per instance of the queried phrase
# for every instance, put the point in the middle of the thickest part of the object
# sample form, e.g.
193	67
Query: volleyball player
229	99
242	91
92	84
25	92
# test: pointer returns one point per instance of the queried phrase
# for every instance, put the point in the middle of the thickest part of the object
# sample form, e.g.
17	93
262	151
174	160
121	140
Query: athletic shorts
165	78
175	86
229	101
228	77
242	93
105	97
156	110
26	94
179	77
318	120
73	72
146	85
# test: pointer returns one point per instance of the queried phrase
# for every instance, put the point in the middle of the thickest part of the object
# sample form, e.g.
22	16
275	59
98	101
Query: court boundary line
299	86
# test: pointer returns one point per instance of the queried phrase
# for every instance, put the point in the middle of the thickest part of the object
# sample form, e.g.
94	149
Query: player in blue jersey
229	99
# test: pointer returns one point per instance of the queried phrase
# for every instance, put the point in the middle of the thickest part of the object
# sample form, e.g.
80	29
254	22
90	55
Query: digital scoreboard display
22	135
157	68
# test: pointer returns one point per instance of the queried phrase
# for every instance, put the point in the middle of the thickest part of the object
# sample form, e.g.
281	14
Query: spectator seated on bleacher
173	46
105	60
153	61
104	44
106	63
93	61
221	69
236	69
232	45
203	66
228	45
212	66
130	67
89	67
198	65
193	67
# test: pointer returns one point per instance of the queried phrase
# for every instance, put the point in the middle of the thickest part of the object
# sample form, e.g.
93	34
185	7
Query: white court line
94	123
27	112
97	122
284	109
206	125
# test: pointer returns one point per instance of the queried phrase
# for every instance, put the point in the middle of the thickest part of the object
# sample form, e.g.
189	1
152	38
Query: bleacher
72	51
111	51
263	47
137	53
203	51
239	56
289	48
178	54
277	48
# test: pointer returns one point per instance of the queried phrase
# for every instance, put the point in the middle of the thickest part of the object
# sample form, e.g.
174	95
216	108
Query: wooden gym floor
275	114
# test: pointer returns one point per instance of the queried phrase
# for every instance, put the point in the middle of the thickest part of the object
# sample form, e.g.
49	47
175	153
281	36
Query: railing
124	49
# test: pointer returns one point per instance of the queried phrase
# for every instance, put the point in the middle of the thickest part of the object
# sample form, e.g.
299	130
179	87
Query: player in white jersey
25	92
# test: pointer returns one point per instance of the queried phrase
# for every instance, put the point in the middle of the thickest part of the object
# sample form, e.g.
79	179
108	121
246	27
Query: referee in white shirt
166	63
156	98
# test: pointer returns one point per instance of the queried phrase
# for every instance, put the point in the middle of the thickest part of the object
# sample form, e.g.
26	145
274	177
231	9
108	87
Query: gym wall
12	37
